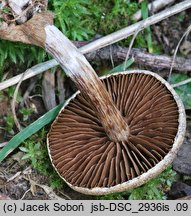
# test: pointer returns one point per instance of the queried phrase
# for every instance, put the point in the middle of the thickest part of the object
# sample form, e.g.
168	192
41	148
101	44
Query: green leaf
23	149
37	146
145	14
20	54
184	91
25	157
122	67
28	131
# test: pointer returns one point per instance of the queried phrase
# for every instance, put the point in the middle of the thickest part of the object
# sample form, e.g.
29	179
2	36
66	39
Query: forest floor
19	180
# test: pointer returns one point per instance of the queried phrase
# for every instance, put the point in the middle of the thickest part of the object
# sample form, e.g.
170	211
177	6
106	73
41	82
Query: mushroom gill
83	154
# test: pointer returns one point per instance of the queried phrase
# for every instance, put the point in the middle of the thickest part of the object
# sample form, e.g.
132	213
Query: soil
18	180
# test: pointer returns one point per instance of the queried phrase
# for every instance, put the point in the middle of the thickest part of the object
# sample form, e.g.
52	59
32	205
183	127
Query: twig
28	90
184	82
3	144
154	6
176	50
131	44
119	53
48	90
60	86
22	14
33	71
63	194
14	176
48	190
104	41
130	30
23	196
14	102
155	61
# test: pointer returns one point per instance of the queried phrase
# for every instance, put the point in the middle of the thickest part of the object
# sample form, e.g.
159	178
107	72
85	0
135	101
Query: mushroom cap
90	163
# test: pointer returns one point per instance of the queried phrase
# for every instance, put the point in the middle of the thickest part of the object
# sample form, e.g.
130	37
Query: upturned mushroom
117	132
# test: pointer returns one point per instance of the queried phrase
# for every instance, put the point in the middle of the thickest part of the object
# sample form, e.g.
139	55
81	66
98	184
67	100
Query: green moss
35	152
115	15
79	20
155	189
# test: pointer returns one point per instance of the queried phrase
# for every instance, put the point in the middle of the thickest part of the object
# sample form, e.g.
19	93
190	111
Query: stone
179	190
182	163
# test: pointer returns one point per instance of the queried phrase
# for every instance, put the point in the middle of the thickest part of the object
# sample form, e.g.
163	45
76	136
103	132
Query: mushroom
117	132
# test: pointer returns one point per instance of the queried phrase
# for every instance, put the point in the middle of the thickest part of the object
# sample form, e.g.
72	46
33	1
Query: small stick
154	6
29	90
131	45
119	53
104	41
13	103
3	144
184	82
176	50
33	71
130	30
48	90
60	86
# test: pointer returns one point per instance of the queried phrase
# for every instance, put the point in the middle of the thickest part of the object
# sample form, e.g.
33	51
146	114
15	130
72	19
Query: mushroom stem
80	71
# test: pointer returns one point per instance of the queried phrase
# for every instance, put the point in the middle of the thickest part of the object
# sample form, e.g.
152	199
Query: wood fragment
3	144
33	71
18	5
176	50
130	30
19	33
153	7
184	82
141	57
29	90
3	108
60	86
48	90
14	103
23	10
15	33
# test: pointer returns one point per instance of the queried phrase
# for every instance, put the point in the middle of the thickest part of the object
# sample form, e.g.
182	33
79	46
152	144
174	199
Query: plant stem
153	7
80	71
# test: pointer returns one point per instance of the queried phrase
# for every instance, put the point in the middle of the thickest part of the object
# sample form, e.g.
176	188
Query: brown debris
48	90
3	108
141	58
25	33
4	197
185	48
60	86
20	11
